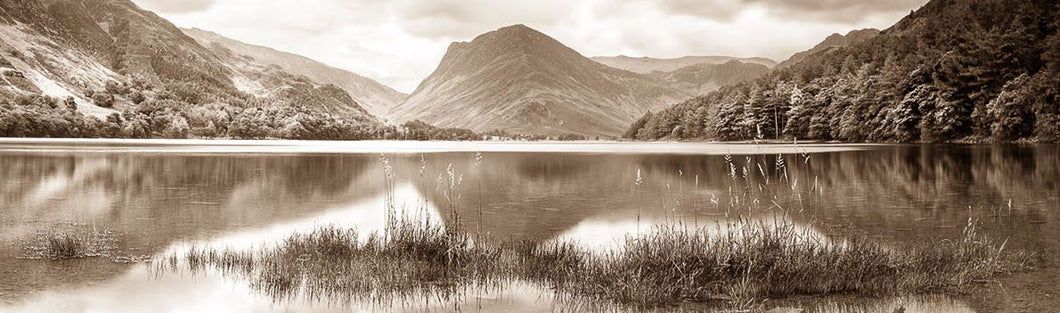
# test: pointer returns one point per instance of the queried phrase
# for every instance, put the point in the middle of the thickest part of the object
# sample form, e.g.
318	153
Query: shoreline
395	146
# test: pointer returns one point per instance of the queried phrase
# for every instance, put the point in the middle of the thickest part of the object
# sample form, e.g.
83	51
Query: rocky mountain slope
376	98
520	80
63	61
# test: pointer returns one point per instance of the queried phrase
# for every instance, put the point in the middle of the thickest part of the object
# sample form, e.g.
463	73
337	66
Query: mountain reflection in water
160	202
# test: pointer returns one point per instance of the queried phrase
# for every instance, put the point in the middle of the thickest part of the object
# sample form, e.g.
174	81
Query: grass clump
765	260
409	260
56	244
664	266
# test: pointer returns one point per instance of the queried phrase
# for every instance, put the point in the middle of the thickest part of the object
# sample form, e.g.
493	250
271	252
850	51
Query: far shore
394	146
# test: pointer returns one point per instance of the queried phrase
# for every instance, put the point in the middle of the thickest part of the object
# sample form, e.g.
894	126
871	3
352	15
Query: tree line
955	70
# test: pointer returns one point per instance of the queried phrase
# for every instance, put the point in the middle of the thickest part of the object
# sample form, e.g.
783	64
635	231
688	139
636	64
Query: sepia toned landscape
495	156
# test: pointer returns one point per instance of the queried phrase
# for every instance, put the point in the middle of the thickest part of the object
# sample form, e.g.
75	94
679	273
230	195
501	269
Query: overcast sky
400	42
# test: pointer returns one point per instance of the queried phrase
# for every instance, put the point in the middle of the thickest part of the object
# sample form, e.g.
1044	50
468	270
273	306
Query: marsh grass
664	266
63	244
413	260
765	260
736	265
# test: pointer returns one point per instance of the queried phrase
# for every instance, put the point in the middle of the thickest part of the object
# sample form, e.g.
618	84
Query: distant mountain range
703	78
645	65
110	56
520	80
953	70
376	98
834	41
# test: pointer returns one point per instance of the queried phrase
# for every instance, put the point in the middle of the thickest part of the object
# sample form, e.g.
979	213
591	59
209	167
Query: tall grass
414	260
764	260
731	265
664	266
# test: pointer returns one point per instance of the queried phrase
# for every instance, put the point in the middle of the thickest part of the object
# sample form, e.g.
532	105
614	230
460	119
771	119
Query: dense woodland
41	116
954	70
49	117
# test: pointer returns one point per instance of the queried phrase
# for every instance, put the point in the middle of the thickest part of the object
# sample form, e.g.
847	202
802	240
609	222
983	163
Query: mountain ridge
518	79
375	97
703	78
834	40
107	68
647	65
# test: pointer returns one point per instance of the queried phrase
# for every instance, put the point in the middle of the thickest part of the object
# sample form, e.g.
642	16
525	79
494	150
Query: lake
160	196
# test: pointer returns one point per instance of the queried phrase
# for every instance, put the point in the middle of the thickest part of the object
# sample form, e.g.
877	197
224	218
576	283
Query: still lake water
164	196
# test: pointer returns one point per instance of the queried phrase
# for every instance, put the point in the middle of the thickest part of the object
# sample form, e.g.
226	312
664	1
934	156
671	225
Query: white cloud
400	42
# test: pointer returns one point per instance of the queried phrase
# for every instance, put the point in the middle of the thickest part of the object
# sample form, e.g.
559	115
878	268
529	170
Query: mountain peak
518	79
516	28
832	41
517	33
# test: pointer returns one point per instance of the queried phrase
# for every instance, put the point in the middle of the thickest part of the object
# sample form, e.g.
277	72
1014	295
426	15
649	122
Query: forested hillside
954	70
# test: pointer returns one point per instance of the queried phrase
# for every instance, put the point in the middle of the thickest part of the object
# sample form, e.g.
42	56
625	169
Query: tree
729	124
1010	115
103	99
797	121
177	128
70	104
137	97
637	126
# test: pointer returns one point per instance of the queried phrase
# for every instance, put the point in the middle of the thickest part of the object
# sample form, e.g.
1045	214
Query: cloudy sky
399	42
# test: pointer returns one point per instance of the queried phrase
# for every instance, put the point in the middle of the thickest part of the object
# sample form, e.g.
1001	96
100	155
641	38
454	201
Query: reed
661	267
765	260
413	260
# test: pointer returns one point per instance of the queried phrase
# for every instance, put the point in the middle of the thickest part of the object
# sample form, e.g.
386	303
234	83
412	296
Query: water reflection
602	236
909	304
212	289
365	216
169	200
155	200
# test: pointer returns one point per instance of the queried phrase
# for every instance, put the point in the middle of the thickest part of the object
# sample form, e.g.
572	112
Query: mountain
647	65
376	98
703	78
953	70
834	41
106	68
265	80
65	47
520	80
